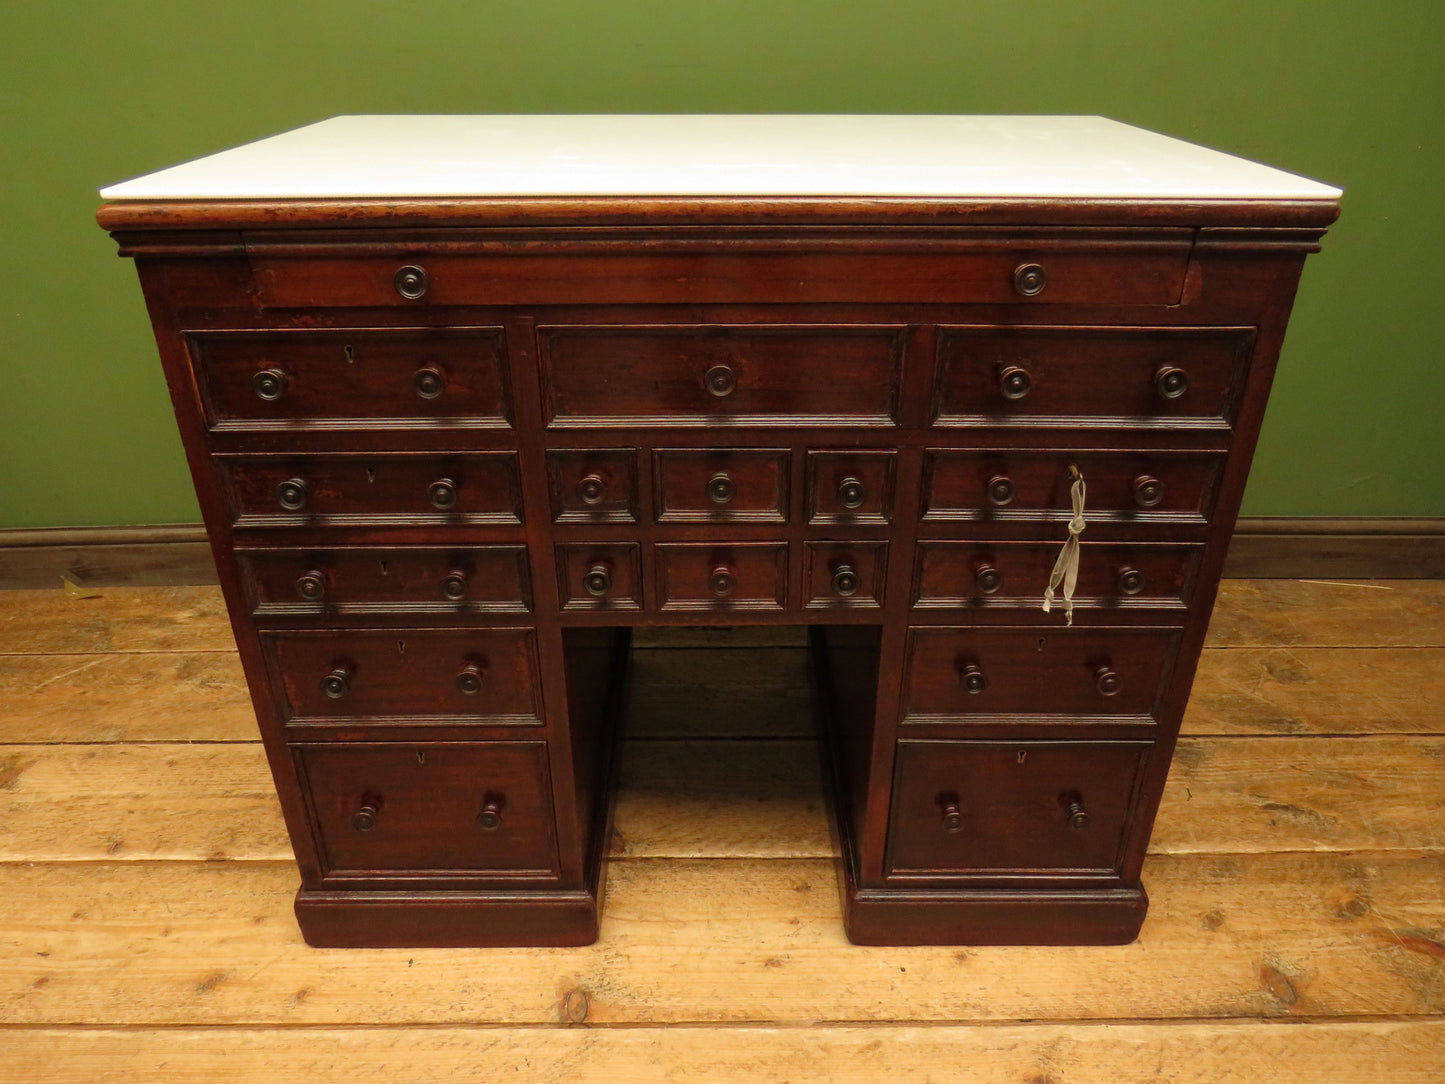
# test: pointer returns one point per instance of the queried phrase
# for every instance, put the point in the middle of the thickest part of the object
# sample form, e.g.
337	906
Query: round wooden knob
950	813
411	281
972	679
1076	816
269	384
469	679
1107	681
337	683
852	493
987	579
311	586
1014	382
1030	279
1000	490
1148	491
722	581
721	488
454	585
597	580
846	581
592	489
429	382
1130	580
1170	381
720	381
442	494
364	818
490	816
292	493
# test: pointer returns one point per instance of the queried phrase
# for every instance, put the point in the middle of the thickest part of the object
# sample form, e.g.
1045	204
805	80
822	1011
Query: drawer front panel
347	379
1015	485
1013	575
721	375
593	485
722	576
438	807
976	675
721	485
845	575
1090	376
600	575
398	579
986	808
360	489
482	676
850	486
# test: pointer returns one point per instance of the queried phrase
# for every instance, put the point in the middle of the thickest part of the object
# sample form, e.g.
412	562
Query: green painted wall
95	92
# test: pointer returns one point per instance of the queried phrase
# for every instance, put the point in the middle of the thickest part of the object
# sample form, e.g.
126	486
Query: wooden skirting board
1264	547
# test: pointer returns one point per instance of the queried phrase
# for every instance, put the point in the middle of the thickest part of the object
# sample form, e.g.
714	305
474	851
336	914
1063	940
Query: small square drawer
721	485
1013	575
593	485
401	676
397	579
1091	376
443	808
850	486
402	378
722	576
988	675
720	375
845	575
600	576
362	489
993	808
1012	484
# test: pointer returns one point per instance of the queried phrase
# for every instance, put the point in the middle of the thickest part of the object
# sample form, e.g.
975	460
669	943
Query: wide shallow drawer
372	378
398	676
397	579
722	576
1013	575
994	808
452	808
1093	376
362	488
1121	487
979	675
721	485
711	375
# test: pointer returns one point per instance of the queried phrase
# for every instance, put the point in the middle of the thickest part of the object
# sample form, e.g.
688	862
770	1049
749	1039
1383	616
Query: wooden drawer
994	808
370	378
985	675
600	576
1122	487
850	486
362	488
721	485
722	576
397	579
710	375
1013	575
845	575
1090	376
452	808
593	485
403	676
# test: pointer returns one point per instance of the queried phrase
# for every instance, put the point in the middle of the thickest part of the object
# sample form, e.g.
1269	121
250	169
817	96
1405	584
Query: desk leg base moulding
451	451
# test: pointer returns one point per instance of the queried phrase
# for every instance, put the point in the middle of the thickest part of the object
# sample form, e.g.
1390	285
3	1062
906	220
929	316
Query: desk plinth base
448	919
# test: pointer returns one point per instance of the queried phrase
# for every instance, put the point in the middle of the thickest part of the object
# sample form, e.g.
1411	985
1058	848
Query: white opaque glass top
1006	157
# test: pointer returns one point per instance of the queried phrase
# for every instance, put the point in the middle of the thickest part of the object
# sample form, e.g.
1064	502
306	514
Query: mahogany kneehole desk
466	399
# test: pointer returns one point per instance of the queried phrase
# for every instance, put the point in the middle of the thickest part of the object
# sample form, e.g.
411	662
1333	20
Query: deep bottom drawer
995	808
445	808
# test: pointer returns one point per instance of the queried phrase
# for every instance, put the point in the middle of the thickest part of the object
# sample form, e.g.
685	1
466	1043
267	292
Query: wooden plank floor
1297	878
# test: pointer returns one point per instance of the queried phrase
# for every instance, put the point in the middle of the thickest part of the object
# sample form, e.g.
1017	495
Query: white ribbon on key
1066	567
